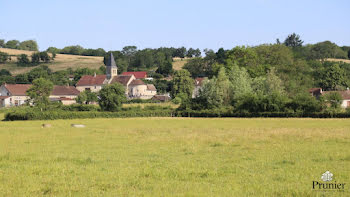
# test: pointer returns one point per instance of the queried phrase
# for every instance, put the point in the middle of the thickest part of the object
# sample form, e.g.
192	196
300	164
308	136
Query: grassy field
61	62
173	157
178	63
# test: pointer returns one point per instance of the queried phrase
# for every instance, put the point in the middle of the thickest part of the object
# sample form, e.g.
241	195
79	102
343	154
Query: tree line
29	45
159	60
265	78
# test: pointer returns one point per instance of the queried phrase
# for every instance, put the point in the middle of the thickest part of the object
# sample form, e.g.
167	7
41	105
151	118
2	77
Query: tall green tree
293	40
12	44
182	84
23	60
35	58
334	99
87	97
332	78
39	93
4	72
240	81
2	43
3	57
30	45
111	97
216	92
44	56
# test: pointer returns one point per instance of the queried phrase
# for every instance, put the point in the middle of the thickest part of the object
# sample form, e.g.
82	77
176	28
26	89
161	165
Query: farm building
15	94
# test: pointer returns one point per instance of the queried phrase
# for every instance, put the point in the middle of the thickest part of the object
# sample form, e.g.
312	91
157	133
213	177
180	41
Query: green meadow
173	157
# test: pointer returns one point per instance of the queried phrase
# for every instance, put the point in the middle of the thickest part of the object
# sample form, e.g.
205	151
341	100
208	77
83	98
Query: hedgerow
32	114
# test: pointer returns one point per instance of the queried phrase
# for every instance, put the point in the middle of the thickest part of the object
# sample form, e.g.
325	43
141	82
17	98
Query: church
135	88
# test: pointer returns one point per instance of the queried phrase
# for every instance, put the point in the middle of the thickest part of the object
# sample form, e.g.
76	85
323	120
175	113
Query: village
15	94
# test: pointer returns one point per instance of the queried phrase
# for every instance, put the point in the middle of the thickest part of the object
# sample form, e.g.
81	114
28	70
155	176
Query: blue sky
155	23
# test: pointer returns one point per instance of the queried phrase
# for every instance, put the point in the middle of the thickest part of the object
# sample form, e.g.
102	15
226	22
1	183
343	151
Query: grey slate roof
111	61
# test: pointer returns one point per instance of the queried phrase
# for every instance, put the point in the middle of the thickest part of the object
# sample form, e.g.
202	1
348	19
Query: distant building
345	94
64	94
134	86
13	94
94	83
161	98
198	85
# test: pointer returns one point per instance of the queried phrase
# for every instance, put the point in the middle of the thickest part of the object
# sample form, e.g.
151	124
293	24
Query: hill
61	62
64	61
178	63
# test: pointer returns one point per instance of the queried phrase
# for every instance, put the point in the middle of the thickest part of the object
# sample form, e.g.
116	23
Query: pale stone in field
78	125
46	125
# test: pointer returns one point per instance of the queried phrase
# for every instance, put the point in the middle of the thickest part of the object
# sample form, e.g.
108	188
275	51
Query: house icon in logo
327	176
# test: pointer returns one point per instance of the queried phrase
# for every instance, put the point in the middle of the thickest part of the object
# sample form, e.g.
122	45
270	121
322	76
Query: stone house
134	87
64	94
93	83
13	94
198	85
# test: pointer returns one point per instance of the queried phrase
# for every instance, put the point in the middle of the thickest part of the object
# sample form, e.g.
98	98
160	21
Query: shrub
80	107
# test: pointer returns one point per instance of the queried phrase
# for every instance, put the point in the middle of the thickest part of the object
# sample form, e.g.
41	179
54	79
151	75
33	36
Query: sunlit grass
61	62
173	157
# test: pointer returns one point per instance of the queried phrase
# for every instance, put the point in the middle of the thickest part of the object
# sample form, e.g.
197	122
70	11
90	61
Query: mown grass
173	157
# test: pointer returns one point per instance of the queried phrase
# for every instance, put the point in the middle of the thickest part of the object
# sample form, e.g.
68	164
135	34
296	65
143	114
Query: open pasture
173	157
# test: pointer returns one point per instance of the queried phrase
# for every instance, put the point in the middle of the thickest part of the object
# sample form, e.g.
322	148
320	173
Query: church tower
111	69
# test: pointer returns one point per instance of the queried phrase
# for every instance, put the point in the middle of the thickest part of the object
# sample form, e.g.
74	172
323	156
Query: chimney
95	74
347	89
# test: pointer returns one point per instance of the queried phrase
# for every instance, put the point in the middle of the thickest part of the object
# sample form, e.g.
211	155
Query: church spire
111	61
111	69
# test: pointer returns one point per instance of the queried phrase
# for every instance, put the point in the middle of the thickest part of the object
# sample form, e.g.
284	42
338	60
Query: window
87	89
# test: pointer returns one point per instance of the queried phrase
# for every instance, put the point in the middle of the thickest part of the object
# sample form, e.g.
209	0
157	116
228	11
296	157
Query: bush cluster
79	107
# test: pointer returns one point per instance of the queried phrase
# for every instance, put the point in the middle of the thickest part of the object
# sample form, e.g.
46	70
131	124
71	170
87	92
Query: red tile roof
17	89
4	97
137	82
199	81
65	90
138	75
88	80
123	79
